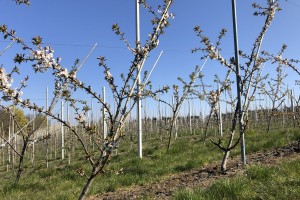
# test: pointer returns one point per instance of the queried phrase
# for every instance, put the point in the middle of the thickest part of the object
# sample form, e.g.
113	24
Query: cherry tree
178	100
249	74
66	82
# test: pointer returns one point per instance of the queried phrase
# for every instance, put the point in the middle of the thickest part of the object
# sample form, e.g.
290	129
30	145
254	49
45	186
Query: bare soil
204	177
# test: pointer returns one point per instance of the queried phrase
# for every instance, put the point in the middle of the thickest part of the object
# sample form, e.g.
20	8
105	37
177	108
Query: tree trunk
224	161
171	131
87	187
227	152
160	130
206	127
269	123
47	154
20	168
170	136
175	129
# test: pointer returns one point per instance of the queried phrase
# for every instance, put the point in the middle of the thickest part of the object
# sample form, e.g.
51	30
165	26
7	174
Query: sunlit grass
61	181
260	182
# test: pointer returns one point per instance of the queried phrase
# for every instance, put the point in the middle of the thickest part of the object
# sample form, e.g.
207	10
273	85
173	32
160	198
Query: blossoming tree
66	82
250	74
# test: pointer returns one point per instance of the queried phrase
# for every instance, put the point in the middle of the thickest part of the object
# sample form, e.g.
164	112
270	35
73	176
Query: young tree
249	75
66	82
275	91
27	132
213	99
178	99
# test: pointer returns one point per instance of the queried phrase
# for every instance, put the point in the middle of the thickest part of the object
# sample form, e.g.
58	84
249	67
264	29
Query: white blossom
80	118
108	75
6	81
278	58
63	72
5	87
44	58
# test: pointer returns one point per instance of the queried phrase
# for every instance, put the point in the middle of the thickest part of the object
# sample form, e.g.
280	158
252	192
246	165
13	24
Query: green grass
276	182
61	181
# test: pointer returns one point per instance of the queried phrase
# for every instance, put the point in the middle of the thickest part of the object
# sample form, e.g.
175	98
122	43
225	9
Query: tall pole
47	131
139	103
33	129
220	113
62	132
201	115
68	134
159	119
104	127
9	137
238	82
293	108
91	124
190	116
14	138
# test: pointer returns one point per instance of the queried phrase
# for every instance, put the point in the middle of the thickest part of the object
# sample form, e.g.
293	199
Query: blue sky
73	27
